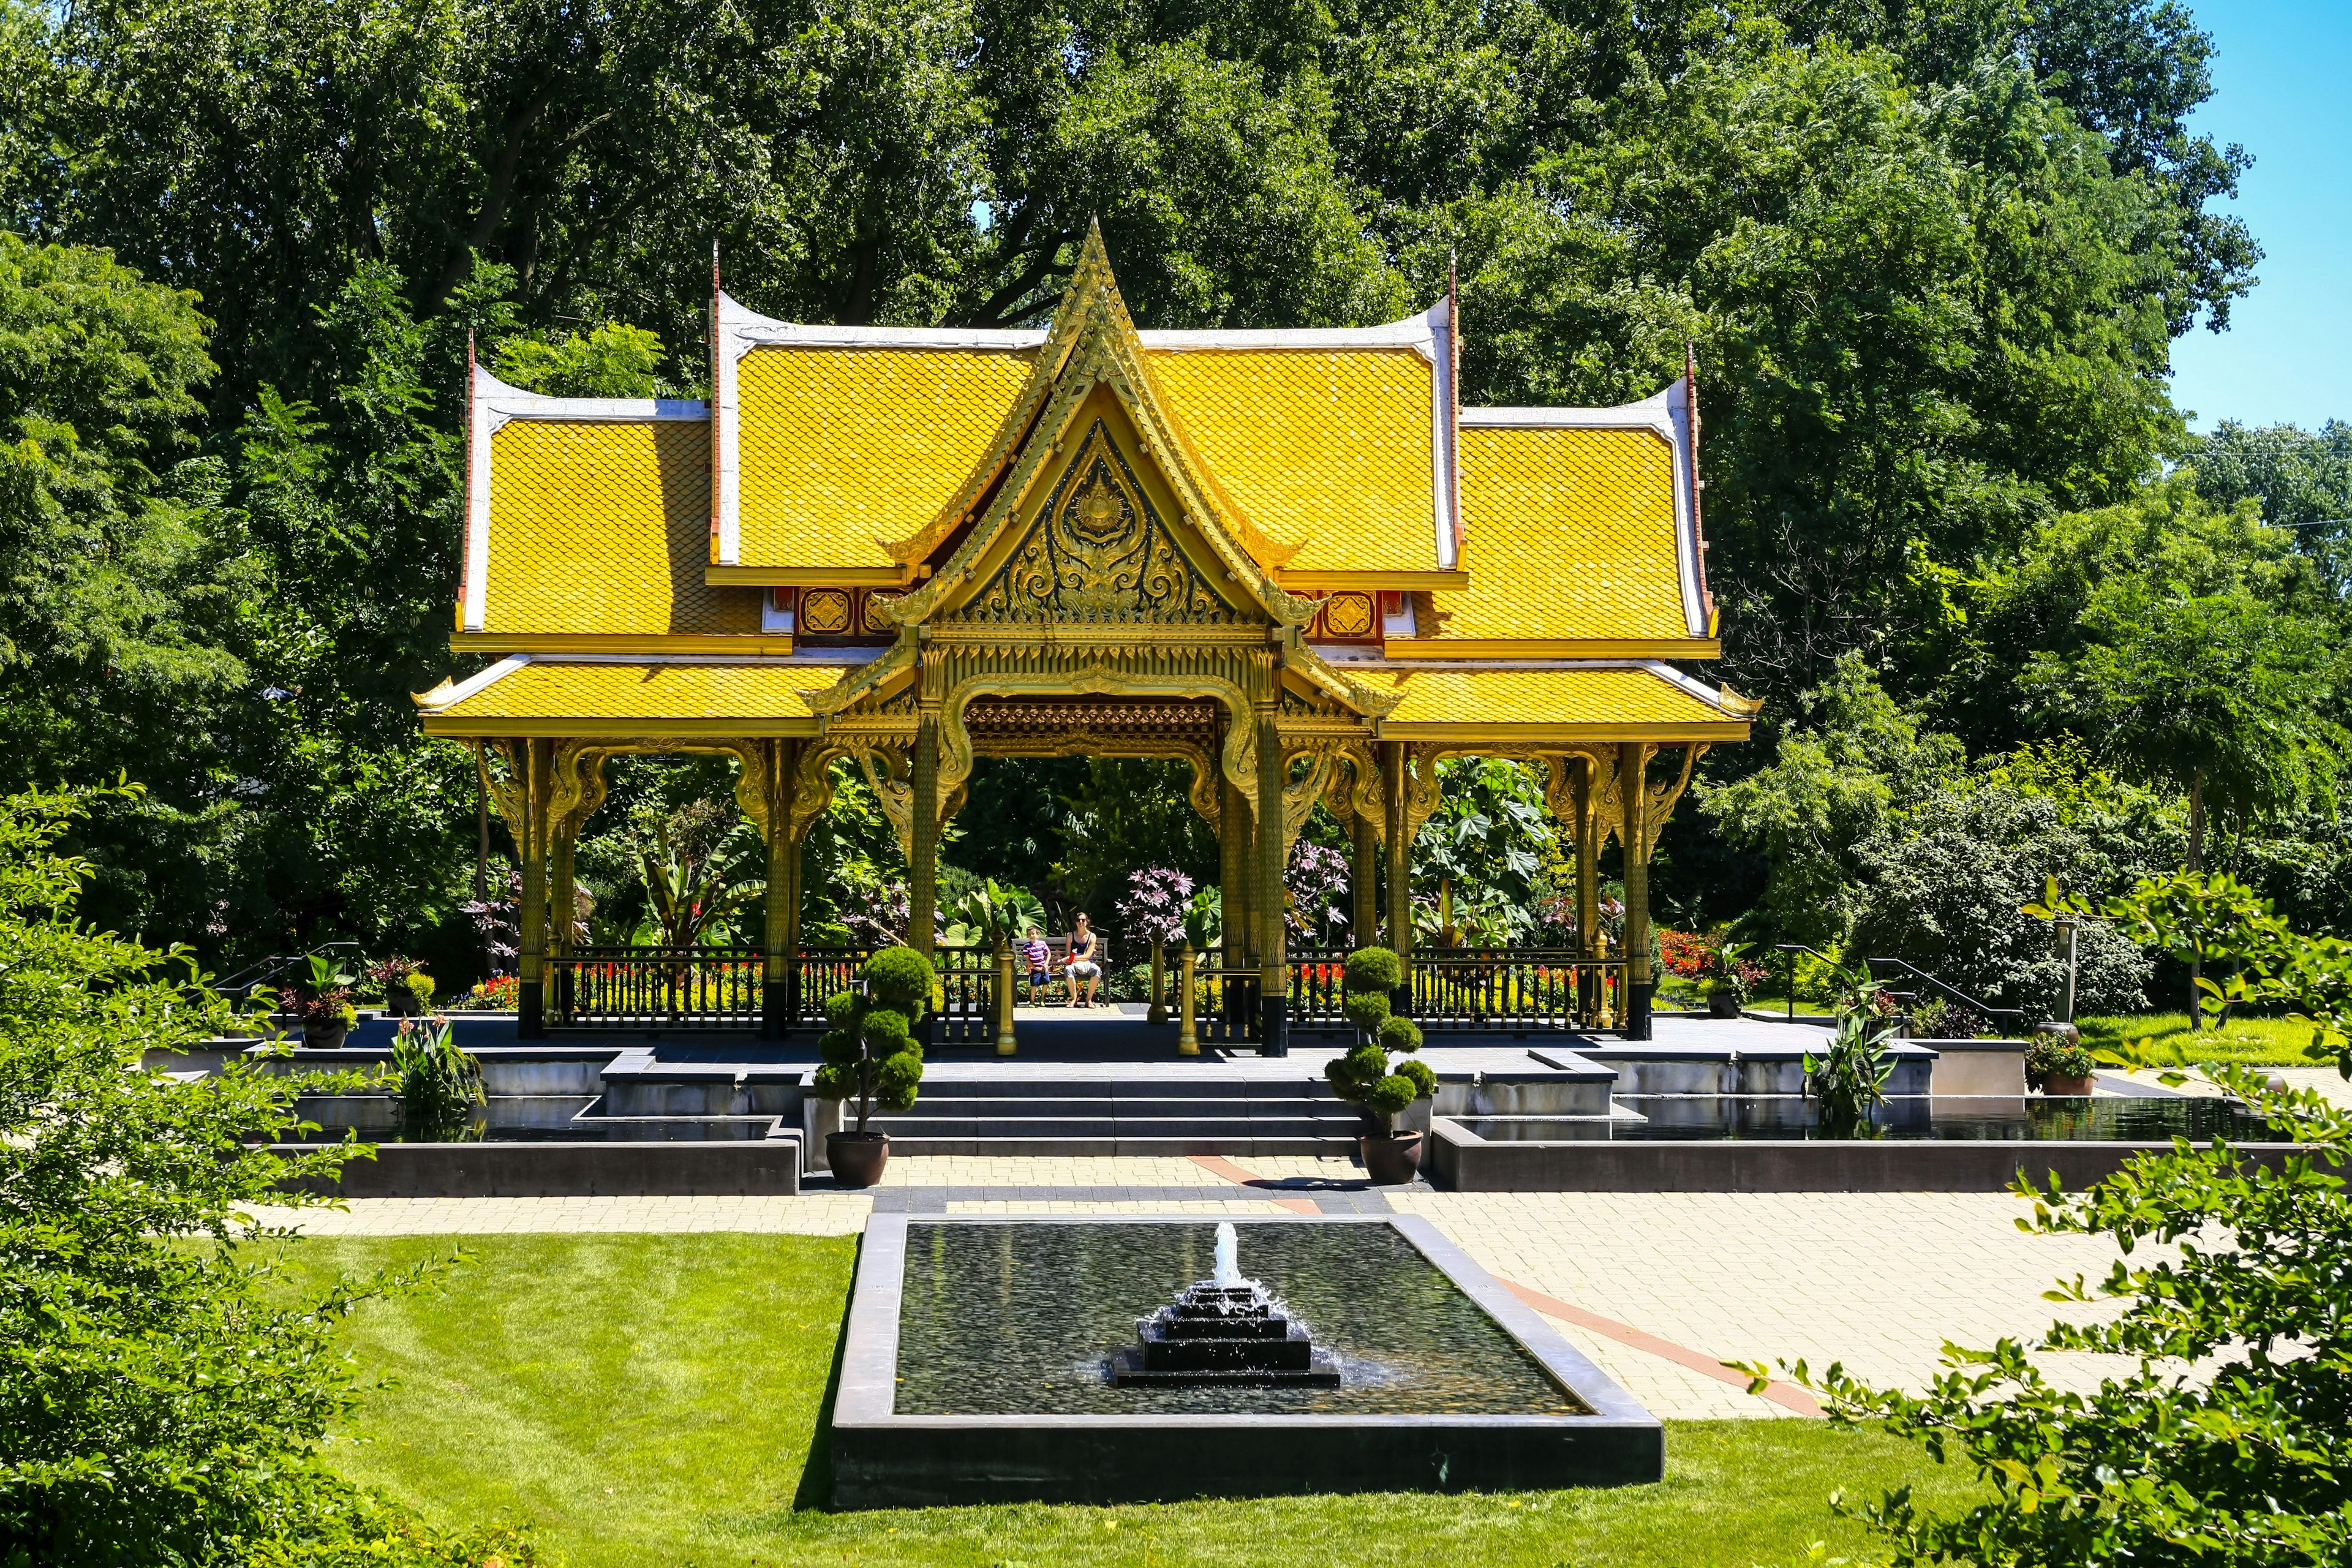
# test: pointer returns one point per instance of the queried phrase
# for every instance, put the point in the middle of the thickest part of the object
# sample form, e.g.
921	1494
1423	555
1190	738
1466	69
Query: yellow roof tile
1326	449
843	449
1580	703
604	528
765	698
1571	534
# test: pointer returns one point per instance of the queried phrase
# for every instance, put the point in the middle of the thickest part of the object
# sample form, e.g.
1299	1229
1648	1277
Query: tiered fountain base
1223	1334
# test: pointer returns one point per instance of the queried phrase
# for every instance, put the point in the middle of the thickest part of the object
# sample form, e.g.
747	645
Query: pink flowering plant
1153	909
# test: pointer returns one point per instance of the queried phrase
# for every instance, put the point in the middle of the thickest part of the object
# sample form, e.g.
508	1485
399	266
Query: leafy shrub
1848	1080
440	1084
1365	1075
2241	1460
2051	1056
1944	886
1942	1018
162	1391
1372	969
869	1049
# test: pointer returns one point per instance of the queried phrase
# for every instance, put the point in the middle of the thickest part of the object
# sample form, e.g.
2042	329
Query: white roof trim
746	330
499	402
831	657
1668	414
1688	682
1680	680
449	696
1444	469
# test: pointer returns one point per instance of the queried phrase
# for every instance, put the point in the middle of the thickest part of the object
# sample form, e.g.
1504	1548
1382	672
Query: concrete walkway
1655	1286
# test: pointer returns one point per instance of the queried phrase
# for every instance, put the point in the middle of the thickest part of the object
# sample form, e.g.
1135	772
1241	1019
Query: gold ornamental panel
825	612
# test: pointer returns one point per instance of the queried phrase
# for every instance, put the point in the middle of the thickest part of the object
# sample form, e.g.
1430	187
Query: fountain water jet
1223	1330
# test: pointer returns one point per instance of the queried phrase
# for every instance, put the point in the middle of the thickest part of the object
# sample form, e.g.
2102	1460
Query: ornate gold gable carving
1092	344
1100	552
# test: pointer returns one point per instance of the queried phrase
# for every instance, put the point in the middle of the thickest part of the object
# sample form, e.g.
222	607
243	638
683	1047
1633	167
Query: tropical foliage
163	1389
2240	1460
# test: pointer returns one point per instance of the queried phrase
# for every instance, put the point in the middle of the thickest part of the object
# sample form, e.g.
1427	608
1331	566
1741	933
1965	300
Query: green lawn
652	1399
2257	1042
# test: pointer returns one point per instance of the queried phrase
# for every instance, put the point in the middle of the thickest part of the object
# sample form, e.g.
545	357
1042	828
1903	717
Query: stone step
997	1086
1124	1108
1215	1130
1097	1145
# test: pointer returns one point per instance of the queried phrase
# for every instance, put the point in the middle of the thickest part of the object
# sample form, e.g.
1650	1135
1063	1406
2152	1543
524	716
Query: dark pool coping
1458	1160
883	1459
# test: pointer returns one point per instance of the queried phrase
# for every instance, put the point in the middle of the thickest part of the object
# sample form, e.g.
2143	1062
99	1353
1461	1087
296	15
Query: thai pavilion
1288	558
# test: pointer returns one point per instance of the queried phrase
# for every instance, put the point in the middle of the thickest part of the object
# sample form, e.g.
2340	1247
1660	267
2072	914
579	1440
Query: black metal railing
1317	1000
655	987
1521	989
967	1015
1227	1000
823	972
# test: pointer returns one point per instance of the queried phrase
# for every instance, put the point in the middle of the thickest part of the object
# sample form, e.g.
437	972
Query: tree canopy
1930	259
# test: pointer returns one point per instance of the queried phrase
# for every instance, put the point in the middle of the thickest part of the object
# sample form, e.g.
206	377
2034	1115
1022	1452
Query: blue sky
2283	88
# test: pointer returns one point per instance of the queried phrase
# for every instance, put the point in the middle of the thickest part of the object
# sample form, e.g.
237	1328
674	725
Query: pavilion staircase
1071	1109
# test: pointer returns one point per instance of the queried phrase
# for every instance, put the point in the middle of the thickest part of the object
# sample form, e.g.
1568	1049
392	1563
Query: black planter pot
857	1158
1723	1004
324	1036
401	1002
1391	1161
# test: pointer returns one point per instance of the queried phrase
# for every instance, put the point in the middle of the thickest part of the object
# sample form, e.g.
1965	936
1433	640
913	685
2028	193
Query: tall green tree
163	1391
2217	696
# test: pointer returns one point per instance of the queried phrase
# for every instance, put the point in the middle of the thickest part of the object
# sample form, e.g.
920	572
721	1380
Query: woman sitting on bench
1085	965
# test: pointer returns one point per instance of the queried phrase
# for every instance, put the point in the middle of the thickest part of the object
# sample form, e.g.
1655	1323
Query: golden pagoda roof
533	694
1572	700
1472	569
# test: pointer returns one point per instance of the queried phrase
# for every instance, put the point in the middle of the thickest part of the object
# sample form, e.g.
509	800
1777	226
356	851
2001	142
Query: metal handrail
1954	992
270	966
1962	997
1792	949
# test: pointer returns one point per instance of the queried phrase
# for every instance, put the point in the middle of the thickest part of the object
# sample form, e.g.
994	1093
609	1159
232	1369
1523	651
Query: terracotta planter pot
1393	1160
324	1036
1723	1004
857	1158
2061	1087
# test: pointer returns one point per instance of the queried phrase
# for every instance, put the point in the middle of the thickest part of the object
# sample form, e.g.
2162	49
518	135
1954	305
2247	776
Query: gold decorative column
534	767
923	847
1364	921
1398	843
1187	1031
1632	769
1273	973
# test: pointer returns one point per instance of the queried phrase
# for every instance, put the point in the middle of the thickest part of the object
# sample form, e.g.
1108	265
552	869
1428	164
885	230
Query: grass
2255	1042
653	1399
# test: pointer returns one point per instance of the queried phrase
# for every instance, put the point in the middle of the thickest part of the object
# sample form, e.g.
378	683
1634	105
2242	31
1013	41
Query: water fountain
1223	1330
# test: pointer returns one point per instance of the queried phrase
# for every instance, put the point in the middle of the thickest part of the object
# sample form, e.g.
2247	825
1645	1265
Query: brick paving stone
1878	1280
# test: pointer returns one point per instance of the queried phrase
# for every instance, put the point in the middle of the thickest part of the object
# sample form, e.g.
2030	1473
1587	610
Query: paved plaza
1655	1286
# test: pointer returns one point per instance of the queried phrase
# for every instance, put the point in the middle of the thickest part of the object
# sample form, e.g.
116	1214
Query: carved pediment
1098	549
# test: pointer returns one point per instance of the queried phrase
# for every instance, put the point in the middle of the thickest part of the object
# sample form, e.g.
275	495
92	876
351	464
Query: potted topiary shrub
322	1001
1366	1077
871	1056
2058	1062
